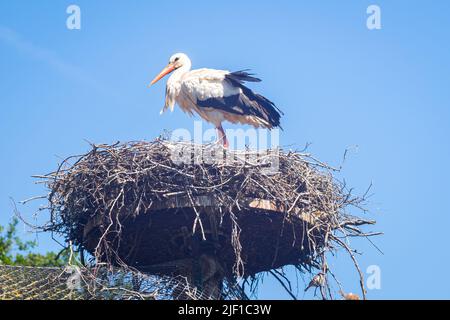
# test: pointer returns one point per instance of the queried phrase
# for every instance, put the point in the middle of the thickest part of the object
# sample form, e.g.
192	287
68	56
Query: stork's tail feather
273	112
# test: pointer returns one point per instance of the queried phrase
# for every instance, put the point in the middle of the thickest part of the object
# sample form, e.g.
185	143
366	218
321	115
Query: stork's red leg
222	137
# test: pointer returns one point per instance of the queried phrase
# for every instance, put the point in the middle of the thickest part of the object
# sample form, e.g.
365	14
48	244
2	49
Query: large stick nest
163	206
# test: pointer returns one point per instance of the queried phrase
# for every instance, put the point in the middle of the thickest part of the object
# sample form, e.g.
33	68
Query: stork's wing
225	91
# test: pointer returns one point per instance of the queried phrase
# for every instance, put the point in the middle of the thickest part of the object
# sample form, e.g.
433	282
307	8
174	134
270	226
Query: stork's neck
178	73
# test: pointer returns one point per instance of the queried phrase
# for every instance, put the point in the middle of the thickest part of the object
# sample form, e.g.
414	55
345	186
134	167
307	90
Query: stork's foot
223	143
222	138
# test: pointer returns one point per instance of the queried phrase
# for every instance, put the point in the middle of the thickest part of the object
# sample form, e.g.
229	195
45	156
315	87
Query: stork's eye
176	59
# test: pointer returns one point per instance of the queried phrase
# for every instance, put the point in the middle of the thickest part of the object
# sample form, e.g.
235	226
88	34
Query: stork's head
177	61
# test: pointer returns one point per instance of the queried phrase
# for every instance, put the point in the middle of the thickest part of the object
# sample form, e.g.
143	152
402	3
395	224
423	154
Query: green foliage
16	252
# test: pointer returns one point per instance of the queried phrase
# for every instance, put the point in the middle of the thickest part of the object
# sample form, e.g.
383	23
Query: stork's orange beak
168	69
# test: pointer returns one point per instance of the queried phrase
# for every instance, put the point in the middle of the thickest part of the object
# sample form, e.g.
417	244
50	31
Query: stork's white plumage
216	95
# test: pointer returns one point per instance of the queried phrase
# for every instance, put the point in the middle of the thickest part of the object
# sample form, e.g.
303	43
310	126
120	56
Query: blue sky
339	84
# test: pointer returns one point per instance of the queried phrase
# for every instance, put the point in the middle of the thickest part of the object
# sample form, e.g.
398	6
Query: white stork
216	95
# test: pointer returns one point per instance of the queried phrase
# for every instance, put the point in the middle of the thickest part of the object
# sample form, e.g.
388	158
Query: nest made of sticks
113	190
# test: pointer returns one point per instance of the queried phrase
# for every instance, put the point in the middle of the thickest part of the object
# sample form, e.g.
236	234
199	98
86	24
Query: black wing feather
246	103
242	76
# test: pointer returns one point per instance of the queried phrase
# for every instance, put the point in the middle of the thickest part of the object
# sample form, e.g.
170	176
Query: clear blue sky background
339	84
